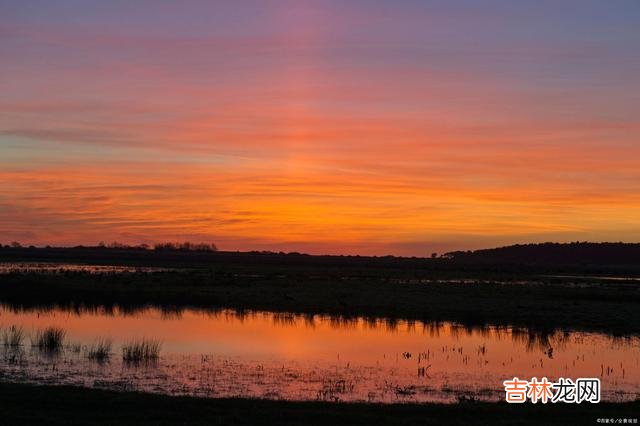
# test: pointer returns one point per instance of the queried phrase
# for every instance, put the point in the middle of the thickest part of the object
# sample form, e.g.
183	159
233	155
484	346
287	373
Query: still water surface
286	356
55	268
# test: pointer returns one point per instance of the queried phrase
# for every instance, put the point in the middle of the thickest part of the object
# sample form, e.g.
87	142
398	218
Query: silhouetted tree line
186	246
536	256
553	253
117	245
165	246
16	245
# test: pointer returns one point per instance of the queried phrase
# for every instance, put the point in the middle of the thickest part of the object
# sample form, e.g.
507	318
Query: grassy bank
545	305
62	405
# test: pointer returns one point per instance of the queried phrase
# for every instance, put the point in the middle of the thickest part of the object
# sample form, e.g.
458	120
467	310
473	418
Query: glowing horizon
320	126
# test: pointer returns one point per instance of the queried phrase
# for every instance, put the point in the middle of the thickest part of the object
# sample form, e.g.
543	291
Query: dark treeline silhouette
164	246
577	253
533	258
187	246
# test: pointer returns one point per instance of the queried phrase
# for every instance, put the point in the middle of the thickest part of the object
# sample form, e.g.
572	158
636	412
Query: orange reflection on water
372	353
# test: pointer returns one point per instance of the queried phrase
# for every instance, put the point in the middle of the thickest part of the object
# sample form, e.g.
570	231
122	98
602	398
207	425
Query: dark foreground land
63	405
545	297
541	294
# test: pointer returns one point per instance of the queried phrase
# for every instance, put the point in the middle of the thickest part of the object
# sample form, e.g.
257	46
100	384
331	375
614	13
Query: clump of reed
141	350
100	350
13	336
75	348
49	339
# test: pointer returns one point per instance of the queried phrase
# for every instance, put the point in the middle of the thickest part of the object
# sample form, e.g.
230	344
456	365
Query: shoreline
50	404
546	306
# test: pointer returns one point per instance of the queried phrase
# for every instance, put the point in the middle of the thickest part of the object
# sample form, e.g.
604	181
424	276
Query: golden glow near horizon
319	127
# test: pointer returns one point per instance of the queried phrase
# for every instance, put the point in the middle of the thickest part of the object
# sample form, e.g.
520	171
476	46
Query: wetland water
297	357
53	268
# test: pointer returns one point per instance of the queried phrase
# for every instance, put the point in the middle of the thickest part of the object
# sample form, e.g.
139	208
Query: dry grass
49	339
100	350
141	350
13	336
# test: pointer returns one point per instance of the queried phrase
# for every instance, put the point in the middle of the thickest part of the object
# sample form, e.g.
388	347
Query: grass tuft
13	336
75	348
49	339
141	350
100	350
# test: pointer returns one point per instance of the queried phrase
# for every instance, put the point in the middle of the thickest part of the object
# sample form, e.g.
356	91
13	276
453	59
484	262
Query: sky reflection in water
261	354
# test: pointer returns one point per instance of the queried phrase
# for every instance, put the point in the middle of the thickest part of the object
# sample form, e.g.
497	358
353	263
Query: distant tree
205	247
117	245
185	246
434	255
164	247
16	244
574	253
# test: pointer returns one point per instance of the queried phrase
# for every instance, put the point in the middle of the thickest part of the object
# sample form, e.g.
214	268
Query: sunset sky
347	126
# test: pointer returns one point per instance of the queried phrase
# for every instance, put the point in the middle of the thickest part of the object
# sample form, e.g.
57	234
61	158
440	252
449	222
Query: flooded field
53	268
304	357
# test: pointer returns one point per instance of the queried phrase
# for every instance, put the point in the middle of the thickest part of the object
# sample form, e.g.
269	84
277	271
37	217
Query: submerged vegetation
141	350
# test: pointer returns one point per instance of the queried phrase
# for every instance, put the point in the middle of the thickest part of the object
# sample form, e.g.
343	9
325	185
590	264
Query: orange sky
323	127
